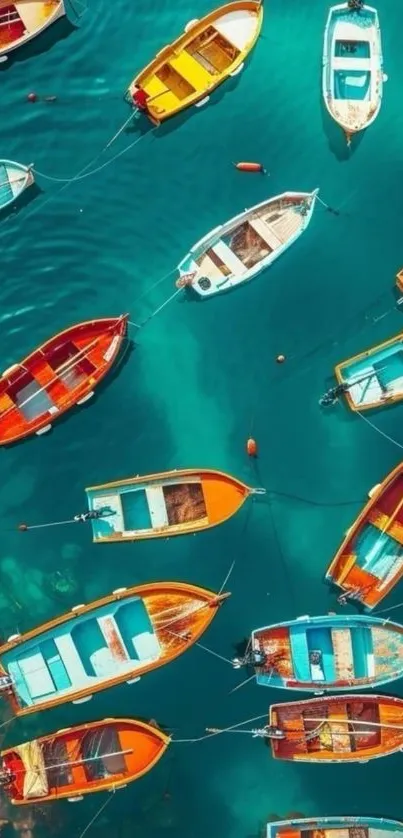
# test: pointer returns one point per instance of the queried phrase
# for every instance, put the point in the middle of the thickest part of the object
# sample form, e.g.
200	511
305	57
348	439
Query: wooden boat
375	377
334	653
14	179
23	20
335	827
352	76
165	504
345	728
245	245
113	640
399	280
99	756
61	373
370	560
187	71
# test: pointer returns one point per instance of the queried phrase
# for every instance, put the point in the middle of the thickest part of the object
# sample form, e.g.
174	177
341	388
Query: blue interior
132	619
387	374
361	49
300	653
362	647
136	514
373	359
55	664
6	193
376	551
320	638
346	84
88	638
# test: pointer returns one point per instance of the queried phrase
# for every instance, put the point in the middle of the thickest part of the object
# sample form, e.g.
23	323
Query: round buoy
32	97
22	527
251	447
250	167
280	359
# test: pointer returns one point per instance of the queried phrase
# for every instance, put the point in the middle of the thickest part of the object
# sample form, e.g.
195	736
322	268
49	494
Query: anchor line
382	433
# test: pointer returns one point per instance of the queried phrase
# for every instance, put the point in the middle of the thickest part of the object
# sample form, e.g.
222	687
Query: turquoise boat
323	654
14	179
337	827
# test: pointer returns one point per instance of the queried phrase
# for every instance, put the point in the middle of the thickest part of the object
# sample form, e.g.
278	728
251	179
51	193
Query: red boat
99	756
59	374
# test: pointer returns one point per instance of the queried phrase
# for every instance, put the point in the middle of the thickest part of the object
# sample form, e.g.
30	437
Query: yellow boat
185	72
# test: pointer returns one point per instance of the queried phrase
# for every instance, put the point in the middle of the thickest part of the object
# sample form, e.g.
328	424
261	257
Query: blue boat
326	654
14	178
337	827
374	377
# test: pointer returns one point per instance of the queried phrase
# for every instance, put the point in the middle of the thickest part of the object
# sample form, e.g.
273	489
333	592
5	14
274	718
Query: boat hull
153	507
30	19
330	826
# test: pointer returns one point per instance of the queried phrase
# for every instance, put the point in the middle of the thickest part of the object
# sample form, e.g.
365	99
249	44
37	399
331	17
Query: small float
187	71
23	20
352	79
61	373
369	562
14	179
99	756
240	249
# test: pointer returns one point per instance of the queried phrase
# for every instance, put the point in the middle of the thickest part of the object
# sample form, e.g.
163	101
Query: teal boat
322	654
14	178
337	827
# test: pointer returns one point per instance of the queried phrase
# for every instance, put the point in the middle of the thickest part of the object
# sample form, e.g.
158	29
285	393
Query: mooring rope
224	730
382	433
101	808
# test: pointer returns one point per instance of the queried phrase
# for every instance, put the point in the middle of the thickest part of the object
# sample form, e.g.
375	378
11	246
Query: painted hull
113	640
352	76
14	179
27	20
256	238
362	567
330	827
165	504
187	71
374	377
347	728
128	749
330	653
59	374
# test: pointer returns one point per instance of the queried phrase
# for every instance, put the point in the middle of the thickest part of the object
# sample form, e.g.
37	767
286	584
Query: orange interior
223	496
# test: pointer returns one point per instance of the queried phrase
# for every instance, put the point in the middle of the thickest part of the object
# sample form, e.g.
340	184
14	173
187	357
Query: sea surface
201	378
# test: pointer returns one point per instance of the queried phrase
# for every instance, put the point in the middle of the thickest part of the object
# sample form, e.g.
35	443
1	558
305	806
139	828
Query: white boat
14	178
241	248
23	20
352	80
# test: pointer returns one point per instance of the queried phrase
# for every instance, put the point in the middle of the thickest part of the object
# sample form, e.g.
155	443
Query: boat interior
329	828
378	376
110	641
325	654
335	733
23	17
353	41
12	181
373	558
248	242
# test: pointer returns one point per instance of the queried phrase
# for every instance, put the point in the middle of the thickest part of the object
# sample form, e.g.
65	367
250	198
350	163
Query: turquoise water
201	378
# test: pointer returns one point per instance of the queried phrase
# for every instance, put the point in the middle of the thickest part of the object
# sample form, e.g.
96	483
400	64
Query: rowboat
187	71
164	504
347	728
23	20
61	373
375	377
352	77
99	756
369	562
14	178
245	245
335	827
327	653
110	641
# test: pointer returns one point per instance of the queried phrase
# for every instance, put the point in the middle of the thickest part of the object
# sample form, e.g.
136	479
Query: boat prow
187	71
14	179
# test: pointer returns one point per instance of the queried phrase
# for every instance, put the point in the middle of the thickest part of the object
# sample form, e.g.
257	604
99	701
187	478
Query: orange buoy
280	359
22	527
250	167
32	97
251	447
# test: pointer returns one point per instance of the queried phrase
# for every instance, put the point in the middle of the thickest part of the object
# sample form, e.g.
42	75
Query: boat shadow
120	363
22	202
58	31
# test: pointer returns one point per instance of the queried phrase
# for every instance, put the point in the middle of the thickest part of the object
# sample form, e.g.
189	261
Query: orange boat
113	640
164	504
348	728
59	374
100	756
370	560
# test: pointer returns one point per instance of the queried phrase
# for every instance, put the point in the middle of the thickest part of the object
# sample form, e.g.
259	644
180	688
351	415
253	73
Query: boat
373	378
14	179
245	245
99	756
23	20
335	827
330	653
345	728
113	640
369	562
164	504
352	76
187	71
61	373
